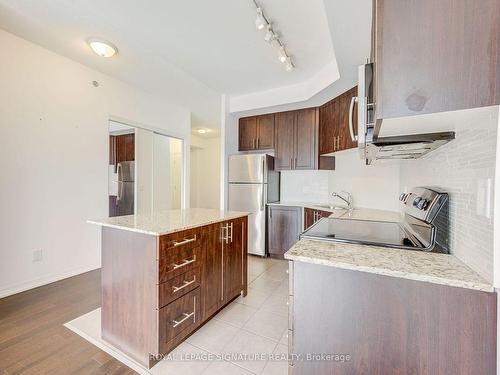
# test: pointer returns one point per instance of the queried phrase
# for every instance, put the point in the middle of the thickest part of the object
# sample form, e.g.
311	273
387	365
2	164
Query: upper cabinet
334	132
121	148
256	133
435	56
296	134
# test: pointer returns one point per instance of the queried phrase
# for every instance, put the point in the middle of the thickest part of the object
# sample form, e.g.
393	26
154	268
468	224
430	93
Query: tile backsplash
465	168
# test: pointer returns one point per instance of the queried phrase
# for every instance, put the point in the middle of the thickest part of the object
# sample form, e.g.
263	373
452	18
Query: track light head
270	34
260	21
282	56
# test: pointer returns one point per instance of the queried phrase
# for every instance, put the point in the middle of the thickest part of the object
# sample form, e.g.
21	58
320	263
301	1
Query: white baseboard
44	280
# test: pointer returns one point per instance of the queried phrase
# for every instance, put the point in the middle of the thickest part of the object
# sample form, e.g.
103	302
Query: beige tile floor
254	325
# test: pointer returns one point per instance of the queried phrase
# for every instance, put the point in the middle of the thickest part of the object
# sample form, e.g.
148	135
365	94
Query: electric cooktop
377	233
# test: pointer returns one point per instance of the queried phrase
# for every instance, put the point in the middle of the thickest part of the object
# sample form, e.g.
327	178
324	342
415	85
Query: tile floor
254	325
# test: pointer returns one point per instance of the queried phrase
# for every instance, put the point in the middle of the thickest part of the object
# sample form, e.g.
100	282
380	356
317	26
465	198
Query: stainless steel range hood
391	146
411	146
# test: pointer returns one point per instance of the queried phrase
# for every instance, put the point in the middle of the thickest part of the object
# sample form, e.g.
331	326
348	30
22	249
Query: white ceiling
190	51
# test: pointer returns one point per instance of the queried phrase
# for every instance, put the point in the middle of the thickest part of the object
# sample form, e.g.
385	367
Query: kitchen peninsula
165	274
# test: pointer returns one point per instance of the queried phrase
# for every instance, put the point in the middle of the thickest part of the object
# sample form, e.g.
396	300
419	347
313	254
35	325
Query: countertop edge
162	233
393	273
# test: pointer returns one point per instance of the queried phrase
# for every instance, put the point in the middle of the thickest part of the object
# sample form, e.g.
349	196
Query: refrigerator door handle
119	192
262	197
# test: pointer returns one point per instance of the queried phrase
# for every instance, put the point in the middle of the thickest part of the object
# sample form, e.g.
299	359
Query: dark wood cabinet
334	132
212	270
121	148
224	266
256	133
311	216
296	139
284	140
306	138
388	325
434	56
234	259
283	229
165	287
265	132
247	134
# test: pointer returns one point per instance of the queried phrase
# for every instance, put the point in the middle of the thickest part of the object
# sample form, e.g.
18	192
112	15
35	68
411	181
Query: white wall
144	146
205	172
373	186
54	159
175	173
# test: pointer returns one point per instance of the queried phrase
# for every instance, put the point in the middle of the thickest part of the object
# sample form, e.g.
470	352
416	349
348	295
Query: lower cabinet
165	287
383	325
225	264
311	216
178	320
284	227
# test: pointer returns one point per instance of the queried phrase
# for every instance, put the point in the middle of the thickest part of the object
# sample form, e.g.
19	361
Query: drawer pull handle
185	316
185	263
185	284
183	242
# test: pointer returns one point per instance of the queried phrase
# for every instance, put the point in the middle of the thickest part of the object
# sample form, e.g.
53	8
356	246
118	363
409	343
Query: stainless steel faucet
348	200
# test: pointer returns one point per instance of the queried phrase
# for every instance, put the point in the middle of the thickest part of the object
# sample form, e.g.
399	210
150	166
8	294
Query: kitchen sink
331	207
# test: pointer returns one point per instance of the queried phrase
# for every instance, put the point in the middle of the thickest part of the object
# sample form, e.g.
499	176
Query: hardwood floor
33	339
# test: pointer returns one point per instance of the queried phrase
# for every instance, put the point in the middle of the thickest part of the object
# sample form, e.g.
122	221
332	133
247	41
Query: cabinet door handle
230	237
182	319
185	284
354	99
184	263
185	241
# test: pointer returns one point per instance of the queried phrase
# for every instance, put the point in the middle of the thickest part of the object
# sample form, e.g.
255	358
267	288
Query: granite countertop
170	221
408	264
355	214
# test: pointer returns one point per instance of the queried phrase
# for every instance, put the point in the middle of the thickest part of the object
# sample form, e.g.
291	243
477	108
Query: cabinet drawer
178	285
177	260
179	319
185	239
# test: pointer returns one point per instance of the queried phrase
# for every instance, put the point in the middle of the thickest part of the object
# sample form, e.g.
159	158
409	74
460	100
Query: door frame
185	151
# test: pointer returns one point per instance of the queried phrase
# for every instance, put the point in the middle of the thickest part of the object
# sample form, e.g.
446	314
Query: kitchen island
165	274
387	311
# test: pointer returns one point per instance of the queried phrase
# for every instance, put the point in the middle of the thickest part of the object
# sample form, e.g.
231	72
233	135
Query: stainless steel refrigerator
126	188
253	182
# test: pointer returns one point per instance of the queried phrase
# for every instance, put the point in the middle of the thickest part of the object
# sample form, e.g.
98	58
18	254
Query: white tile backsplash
305	186
466	169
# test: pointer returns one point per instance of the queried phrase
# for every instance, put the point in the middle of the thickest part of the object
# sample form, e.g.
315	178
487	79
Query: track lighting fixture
262	22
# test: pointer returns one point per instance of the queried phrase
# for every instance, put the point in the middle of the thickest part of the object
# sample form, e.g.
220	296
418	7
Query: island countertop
165	222
409	264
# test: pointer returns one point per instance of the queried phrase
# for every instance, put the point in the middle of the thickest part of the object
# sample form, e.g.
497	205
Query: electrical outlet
37	256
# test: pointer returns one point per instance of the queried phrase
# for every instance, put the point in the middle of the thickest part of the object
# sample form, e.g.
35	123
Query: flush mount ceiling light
262	22
102	47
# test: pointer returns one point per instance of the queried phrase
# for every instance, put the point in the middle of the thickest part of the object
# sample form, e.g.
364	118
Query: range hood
395	143
411	146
